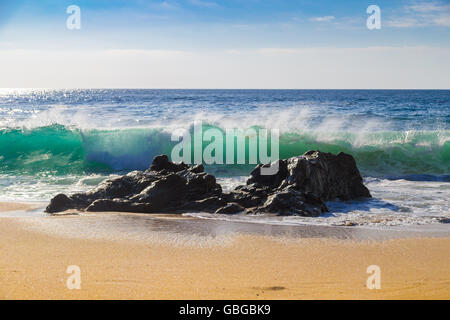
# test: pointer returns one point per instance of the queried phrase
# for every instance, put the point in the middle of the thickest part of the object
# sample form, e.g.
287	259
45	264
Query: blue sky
228	27
180	24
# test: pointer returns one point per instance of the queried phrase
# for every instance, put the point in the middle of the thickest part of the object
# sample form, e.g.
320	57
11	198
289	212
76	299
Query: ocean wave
60	150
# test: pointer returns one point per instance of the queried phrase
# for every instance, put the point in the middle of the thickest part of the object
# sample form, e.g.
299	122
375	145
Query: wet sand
127	256
11	206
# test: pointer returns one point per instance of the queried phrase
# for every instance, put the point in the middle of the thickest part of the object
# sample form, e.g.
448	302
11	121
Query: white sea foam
394	203
384	146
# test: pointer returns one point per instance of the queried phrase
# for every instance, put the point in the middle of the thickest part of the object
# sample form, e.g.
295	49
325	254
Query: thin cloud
443	20
205	4
168	5
423	14
425	7
322	19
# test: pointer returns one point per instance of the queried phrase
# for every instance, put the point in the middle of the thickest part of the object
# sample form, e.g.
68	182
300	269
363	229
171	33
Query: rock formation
301	186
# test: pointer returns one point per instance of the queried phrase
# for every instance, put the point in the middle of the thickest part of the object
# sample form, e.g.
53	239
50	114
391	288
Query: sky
292	44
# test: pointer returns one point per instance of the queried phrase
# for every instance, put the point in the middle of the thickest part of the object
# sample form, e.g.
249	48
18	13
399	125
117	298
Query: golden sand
11	206
33	266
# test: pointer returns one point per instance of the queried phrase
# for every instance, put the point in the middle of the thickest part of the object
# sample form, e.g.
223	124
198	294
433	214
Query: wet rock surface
300	187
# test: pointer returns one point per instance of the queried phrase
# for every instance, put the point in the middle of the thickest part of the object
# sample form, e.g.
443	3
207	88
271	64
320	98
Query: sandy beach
225	150
34	260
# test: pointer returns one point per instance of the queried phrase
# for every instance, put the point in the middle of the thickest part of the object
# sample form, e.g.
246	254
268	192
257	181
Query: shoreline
106	225
17	206
227	264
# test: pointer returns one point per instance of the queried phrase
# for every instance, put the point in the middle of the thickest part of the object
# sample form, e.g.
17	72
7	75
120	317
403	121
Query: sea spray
63	150
67	141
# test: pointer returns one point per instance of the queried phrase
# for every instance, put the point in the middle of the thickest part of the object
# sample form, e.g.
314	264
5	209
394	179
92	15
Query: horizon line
180	88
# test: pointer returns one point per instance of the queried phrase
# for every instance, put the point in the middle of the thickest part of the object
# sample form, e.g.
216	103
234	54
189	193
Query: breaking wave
61	150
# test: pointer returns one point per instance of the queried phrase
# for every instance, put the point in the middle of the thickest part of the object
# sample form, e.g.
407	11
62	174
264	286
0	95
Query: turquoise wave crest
61	150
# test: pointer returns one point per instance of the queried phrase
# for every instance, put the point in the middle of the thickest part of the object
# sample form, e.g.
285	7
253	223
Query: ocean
66	141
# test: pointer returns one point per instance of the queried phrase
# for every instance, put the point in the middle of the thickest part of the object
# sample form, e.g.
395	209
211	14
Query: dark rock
164	192
59	203
198	168
230	208
271	181
291	201
165	187
120	205
207	205
300	187
162	162
326	175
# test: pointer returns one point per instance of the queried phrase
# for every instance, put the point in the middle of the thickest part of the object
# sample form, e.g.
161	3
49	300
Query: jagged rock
326	175
162	162
207	205
164	187
59	203
291	201
230	208
301	186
